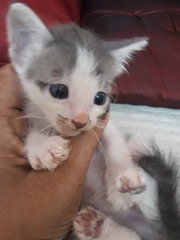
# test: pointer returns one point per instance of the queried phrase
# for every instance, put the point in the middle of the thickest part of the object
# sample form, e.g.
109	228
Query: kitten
66	74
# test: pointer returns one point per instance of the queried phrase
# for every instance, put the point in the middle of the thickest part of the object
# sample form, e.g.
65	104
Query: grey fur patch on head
48	56
60	55
71	36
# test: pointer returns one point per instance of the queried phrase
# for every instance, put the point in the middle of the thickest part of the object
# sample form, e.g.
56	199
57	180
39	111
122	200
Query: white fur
83	86
117	164
44	151
113	231
118	160
121	174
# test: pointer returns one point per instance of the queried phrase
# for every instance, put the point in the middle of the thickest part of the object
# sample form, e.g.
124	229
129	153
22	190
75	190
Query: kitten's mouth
69	132
67	128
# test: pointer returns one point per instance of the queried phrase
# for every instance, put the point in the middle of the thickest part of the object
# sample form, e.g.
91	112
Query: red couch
154	75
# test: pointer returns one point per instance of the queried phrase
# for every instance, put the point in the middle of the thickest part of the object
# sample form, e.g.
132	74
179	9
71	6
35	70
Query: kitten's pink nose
80	120
79	125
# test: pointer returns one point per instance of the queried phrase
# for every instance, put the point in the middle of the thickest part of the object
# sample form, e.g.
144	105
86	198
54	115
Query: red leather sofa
154	75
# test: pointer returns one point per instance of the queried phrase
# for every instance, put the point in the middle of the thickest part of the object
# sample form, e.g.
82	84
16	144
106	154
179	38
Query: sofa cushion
154	74
51	12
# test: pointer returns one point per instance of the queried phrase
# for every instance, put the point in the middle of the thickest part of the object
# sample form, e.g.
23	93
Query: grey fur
166	177
71	36
49	55
60	55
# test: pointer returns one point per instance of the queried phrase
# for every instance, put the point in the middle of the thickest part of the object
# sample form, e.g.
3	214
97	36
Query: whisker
45	128
100	126
100	144
31	116
114	96
96	135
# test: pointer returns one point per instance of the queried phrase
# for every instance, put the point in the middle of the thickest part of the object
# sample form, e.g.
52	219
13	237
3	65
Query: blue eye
58	91
100	98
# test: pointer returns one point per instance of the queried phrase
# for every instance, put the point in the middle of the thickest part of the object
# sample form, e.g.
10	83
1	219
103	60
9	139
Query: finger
9	138
9	92
12	125
83	147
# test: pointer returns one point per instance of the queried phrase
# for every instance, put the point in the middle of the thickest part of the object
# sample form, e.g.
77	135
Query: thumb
83	147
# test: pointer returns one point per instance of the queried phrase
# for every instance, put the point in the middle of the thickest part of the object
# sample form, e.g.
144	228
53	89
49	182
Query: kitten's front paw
88	223
47	153
131	181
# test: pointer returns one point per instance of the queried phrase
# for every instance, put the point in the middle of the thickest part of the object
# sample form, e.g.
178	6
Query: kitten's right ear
26	34
122	51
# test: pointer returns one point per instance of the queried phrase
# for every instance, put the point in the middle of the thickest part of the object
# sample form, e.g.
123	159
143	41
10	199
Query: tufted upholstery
154	75
50	11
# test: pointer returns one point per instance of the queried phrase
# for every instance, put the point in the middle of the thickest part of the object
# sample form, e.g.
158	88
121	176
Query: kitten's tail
166	177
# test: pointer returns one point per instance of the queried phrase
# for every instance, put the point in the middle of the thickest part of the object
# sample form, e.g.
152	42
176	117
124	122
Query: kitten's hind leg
45	151
88	223
91	224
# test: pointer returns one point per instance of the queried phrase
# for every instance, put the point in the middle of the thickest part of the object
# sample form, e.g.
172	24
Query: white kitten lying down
66	74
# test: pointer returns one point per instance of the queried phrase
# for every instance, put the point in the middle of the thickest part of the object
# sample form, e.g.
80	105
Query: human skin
36	204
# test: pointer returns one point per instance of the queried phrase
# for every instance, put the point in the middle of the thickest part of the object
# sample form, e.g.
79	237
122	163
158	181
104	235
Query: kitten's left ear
122	51
26	34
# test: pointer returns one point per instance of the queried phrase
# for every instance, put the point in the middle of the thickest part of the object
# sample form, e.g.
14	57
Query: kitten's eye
100	98
58	91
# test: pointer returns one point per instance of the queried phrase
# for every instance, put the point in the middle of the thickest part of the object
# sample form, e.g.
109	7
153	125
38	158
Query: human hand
34	204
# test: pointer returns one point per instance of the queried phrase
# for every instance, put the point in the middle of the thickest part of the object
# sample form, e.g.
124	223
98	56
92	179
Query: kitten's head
66	71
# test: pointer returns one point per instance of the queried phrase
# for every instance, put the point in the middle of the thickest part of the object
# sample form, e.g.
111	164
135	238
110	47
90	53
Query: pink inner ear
82	117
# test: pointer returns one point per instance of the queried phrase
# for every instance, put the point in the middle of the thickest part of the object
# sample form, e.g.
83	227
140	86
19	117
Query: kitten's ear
26	34
122	51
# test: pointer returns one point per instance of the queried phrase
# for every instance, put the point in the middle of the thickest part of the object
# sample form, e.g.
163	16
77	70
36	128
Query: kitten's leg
91	224
122	174
45	151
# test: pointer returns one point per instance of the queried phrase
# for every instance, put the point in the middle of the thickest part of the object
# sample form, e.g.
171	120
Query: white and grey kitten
66	74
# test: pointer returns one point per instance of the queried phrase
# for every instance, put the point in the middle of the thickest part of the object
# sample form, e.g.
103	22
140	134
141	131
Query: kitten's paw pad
132	181
51	153
88	223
